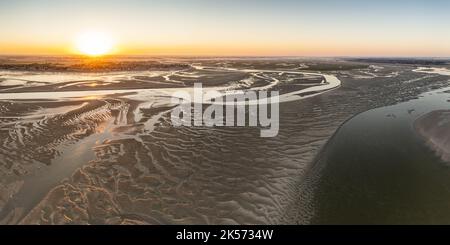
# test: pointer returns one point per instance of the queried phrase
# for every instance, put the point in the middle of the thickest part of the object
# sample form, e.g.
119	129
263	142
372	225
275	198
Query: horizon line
223	56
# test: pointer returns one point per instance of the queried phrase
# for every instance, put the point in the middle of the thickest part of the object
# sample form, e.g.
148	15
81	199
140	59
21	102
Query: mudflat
98	147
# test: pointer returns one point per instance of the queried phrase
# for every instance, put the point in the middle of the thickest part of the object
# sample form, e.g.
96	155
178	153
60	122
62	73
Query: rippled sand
116	159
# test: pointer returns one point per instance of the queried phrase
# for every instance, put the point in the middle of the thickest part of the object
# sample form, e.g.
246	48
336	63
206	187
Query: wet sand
114	157
155	162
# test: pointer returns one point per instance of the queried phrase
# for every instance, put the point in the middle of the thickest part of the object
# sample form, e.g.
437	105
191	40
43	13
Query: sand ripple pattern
193	175
153	173
30	141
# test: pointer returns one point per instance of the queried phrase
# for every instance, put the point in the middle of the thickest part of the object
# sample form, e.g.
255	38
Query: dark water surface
377	170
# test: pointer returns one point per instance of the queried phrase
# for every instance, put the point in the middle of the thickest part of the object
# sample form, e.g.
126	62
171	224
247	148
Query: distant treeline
406	61
94	66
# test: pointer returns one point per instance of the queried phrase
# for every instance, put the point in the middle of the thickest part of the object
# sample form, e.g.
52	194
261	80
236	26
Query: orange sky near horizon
255	49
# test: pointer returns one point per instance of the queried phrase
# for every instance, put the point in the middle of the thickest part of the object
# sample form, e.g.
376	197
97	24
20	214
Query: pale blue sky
323	28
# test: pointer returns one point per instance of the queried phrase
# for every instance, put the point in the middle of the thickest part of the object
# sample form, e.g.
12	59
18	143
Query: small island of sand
434	127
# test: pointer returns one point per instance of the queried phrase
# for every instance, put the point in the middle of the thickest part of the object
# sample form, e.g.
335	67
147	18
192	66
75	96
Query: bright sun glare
94	43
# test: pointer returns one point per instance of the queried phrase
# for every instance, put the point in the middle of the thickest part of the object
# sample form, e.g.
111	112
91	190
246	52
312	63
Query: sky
231	28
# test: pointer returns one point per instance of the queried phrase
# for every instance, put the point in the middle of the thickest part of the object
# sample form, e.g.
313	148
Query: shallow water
377	170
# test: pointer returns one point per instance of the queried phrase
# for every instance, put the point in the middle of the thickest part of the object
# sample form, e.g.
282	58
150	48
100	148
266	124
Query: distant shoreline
92	66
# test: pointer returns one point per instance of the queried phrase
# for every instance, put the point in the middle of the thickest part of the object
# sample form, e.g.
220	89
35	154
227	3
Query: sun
94	43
